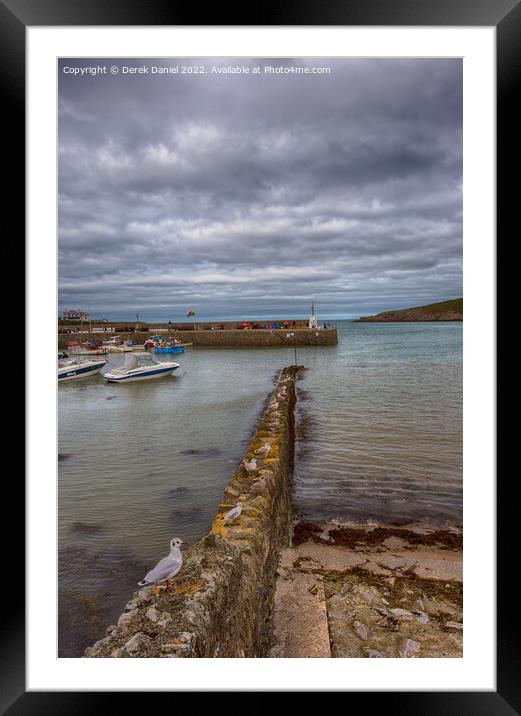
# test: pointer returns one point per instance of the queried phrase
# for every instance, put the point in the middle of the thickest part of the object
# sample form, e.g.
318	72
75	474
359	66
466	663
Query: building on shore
75	314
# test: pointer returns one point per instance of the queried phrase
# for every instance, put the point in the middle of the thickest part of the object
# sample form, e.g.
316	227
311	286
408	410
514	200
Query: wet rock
211	540
202	452
368	594
86	528
186	636
382	610
126	618
136	643
190	513
361	630
158	617
180	491
408	648
230	492
95	648
402	613
435	609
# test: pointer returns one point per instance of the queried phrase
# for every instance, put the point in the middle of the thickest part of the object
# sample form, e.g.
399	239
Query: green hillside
443	311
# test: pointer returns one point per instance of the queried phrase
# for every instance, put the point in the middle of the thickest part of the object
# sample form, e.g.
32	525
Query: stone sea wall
219	604
231	338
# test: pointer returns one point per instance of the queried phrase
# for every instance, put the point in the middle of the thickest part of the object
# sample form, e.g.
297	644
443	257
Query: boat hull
175	349
74	372
139	376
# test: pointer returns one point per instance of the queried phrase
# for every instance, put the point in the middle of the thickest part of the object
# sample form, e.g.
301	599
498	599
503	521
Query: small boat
74	368
86	349
169	347
120	349
114	345
144	369
153	342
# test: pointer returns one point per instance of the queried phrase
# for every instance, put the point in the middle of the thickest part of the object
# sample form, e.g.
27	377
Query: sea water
379	438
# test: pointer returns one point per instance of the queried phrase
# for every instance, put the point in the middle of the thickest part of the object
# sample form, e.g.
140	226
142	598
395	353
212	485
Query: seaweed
354	537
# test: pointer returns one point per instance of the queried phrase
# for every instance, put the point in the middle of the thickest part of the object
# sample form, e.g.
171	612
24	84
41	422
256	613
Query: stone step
299	617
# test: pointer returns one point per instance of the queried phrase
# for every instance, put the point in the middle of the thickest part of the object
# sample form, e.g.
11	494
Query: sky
252	194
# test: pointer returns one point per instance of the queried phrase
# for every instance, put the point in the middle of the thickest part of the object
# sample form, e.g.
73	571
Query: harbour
149	460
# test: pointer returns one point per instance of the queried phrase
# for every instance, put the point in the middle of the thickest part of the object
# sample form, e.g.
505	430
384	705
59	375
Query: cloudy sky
250	195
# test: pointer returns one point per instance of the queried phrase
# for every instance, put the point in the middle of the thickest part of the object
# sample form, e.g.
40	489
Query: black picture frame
505	15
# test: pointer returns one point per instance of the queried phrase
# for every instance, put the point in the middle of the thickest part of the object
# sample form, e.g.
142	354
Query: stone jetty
261	586
219	604
229	338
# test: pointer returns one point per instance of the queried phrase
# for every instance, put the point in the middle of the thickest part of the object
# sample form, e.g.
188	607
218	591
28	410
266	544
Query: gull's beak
183	542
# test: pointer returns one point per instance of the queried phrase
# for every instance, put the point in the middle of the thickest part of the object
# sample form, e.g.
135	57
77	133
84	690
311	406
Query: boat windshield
145	359
130	362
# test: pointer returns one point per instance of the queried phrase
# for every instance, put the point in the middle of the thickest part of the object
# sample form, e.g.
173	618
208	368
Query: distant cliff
443	311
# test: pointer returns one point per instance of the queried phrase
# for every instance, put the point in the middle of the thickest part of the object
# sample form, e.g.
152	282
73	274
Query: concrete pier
267	338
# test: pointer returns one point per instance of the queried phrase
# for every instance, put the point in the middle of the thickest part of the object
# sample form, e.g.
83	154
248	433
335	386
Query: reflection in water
379	438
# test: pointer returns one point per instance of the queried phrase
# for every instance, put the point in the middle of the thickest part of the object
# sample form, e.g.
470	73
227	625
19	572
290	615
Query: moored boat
145	369
88	348
169	348
75	368
114	345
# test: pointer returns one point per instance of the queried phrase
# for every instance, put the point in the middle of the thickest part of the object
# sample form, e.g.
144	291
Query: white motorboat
76	368
143	369
114	345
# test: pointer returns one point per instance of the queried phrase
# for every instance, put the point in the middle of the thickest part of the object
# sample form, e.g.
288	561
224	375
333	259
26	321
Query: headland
442	311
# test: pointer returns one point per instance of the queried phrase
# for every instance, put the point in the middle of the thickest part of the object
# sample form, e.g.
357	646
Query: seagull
168	567
250	466
234	513
264	450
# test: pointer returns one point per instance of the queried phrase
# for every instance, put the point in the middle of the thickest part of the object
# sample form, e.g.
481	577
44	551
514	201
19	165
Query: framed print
265	228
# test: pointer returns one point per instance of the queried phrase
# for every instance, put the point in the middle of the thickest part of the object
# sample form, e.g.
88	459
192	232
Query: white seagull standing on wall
234	513
250	466
168	567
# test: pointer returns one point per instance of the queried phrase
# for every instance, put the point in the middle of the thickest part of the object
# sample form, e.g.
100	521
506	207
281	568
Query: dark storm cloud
253	194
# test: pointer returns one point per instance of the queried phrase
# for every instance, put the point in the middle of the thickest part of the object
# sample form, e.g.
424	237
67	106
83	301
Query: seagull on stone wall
168	567
250	466
264	450
234	513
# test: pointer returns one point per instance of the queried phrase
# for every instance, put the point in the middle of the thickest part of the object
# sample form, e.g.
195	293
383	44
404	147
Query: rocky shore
369	592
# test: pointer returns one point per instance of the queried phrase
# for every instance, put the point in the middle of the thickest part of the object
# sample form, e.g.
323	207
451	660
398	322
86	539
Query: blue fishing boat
171	346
